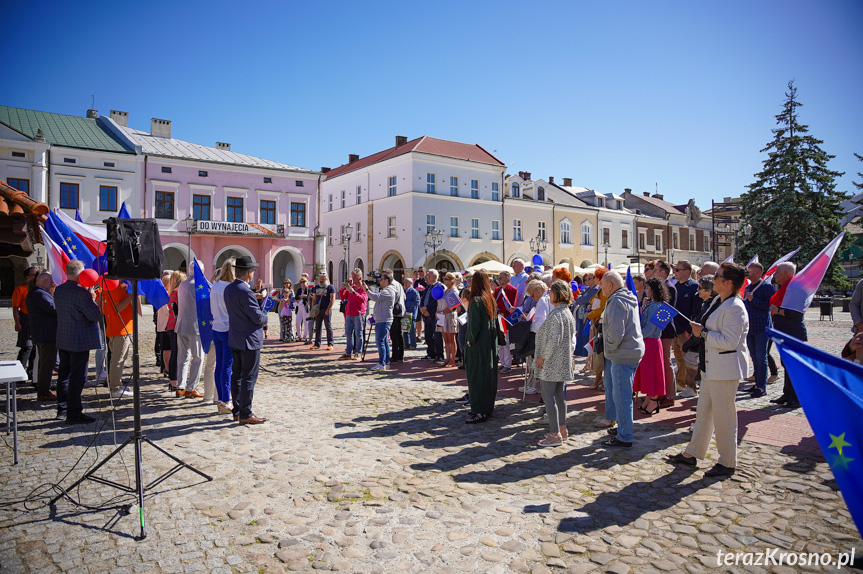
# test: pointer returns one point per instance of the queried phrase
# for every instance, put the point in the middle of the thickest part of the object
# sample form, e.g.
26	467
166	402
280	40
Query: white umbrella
492	267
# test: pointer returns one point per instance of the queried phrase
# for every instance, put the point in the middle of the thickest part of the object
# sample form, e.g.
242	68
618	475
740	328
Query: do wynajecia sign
231	228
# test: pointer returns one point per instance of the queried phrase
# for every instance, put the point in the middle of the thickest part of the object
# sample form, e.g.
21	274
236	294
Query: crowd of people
545	320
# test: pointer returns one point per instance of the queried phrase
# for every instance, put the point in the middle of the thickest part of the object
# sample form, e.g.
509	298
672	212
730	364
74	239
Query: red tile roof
425	144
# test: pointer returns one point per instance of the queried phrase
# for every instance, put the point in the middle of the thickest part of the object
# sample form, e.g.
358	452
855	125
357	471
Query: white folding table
12	373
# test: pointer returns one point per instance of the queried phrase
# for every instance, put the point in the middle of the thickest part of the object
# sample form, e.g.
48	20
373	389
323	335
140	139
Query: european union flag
663	315
202	306
124	212
268	304
830	390
629	282
70	243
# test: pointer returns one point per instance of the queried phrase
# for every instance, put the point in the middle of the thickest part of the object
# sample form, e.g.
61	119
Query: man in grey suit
77	333
246	320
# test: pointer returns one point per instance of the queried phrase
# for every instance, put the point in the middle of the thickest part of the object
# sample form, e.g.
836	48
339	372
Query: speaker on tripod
134	252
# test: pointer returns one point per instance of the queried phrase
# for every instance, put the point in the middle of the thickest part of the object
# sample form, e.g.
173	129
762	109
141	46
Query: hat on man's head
245	263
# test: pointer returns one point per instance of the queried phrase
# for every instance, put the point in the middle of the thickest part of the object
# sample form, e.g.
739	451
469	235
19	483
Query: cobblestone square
364	471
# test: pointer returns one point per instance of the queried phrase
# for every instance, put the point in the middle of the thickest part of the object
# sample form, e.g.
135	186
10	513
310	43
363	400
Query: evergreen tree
859	186
793	202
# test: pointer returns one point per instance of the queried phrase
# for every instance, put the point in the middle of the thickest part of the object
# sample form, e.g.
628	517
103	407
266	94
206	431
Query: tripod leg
92	471
139	477
177	460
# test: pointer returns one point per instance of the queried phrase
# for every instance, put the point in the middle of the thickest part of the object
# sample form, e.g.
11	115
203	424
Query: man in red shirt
505	297
355	293
22	321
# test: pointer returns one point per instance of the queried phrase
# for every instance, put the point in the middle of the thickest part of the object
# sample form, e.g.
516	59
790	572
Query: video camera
375	280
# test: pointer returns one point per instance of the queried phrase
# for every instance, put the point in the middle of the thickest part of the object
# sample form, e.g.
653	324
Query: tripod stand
137	439
367	328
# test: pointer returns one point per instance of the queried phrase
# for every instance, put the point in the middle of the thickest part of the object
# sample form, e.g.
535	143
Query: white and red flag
802	287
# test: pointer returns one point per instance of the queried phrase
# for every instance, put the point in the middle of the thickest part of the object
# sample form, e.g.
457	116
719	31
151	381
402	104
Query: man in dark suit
246	320
77	333
686	297
428	310
43	333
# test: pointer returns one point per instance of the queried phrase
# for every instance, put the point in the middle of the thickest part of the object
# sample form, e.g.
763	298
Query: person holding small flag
190	352
224	357
661	271
505	297
261	294
724	328
650	375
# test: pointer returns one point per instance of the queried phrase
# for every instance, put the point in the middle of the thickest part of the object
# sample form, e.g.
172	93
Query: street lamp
605	246
346	247
434	239
538	244
190	226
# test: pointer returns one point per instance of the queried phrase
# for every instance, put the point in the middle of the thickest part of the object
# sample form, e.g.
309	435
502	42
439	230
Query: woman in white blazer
726	363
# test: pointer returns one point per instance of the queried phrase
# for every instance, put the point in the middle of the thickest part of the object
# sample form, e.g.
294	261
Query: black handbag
343	306
598	344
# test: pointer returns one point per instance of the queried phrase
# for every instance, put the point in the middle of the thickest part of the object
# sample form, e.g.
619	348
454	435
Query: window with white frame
474	228
358	230
495	191
516	229
330	203
642	241
342	234
674	244
430	223
344	195
540	194
453	226
430	183
657	241
359	194
606	236
330	236
391	226
495	229
453	186
474	189
624	239
516	190
566	233
391	188
586	233
541	230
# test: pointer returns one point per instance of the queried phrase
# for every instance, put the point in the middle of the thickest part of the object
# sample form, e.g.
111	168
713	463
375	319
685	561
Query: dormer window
540	194
516	192
600	202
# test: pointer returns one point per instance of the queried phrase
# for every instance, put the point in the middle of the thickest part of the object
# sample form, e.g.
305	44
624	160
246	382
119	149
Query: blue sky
611	94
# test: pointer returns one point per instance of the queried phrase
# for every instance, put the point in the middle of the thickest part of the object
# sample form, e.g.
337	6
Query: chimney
521	174
223	146
160	128
401	140
551	179
657	196
527	175
353	157
120	118
40	136
567	182
646	193
627	190
92	114
325	170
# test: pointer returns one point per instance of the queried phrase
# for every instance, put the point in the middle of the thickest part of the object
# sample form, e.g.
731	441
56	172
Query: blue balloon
537	259
575	286
528	269
437	291
100	265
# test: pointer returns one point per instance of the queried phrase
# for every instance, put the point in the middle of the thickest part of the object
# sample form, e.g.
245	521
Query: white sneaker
378	367
772	378
120	393
532	391
687	393
521	389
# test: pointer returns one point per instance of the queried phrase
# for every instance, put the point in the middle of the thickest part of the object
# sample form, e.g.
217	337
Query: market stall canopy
20	217
491	267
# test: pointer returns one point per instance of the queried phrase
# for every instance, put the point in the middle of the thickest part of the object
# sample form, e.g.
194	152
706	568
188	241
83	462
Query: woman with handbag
724	329
480	357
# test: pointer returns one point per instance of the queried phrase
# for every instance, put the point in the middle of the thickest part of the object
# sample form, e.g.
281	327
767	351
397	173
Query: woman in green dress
480	355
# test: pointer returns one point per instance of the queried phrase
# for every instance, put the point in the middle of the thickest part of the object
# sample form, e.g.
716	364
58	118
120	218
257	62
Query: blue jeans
757	343
382	331
618	397
224	363
410	337
354	334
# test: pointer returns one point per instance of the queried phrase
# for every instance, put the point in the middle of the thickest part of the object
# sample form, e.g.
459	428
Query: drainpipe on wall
144	189
502	218
553	256
315	245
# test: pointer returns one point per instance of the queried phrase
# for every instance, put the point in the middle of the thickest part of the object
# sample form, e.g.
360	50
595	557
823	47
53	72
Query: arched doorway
444	265
330	271
175	256
358	264
393	260
287	264
232	251
343	272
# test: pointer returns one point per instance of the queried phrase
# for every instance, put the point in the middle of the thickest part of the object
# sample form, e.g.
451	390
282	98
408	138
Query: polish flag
501	323
57	260
92	236
802	287
782	259
746	280
729	259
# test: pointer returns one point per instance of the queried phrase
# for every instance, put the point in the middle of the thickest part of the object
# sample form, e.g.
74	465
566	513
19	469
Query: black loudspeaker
134	249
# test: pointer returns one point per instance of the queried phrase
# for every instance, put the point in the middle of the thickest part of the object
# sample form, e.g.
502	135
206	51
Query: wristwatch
704	333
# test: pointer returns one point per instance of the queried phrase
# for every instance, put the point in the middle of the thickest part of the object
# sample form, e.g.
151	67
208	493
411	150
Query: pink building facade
212	204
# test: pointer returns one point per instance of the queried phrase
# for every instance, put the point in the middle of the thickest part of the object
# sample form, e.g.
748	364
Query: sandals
651	412
551	440
476	418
